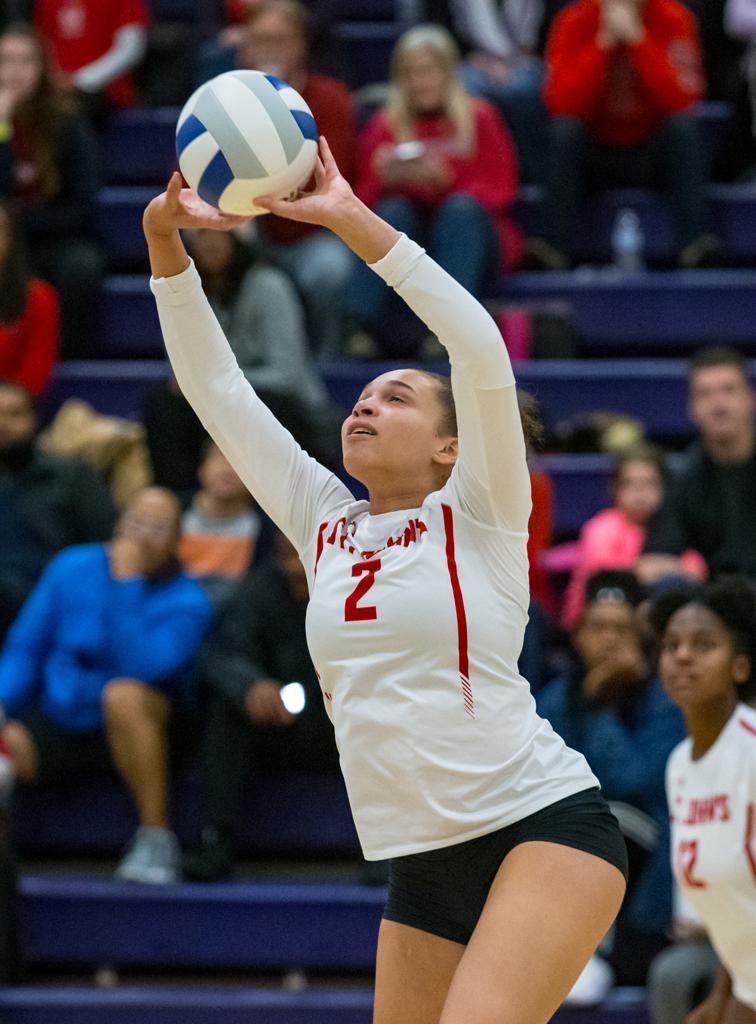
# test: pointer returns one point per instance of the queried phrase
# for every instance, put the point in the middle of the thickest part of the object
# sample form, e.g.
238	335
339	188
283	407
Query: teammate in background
707	665
507	867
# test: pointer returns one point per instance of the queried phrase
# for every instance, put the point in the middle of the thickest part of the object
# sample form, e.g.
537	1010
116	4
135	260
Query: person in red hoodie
621	79
29	321
276	41
439	166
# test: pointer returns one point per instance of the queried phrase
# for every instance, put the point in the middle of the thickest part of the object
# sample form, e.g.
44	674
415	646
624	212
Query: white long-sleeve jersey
712	803
416	617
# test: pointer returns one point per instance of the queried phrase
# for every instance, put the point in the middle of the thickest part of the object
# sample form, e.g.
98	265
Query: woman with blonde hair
440	166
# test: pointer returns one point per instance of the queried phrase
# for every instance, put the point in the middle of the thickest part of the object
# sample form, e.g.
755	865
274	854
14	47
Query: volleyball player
708	668
507	867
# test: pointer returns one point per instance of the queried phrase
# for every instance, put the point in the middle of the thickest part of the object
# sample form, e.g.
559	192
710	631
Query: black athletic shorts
443	891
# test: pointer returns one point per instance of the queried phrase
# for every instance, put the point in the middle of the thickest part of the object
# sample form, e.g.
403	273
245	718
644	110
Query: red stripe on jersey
750	848
459	606
319	550
747	726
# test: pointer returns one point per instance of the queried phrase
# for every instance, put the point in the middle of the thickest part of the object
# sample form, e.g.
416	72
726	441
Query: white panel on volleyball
196	156
253	121
293	100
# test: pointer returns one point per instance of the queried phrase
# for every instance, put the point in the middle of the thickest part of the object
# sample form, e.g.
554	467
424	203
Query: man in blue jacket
95	662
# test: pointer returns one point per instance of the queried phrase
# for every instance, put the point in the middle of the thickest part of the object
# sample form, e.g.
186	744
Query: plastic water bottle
628	242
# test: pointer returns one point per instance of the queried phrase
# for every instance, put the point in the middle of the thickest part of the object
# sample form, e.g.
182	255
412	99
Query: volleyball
242	135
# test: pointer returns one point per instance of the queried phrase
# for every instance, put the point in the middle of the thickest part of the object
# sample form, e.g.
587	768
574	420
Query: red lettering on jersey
750	838
421	527
335	531
706	811
353	612
459	607
747	726
687	855
327	695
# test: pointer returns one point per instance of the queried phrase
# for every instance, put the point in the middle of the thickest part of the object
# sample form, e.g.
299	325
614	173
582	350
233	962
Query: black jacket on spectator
47	502
710	507
261	635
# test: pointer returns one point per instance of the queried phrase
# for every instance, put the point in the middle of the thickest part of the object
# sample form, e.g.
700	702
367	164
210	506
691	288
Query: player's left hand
180	207
324	204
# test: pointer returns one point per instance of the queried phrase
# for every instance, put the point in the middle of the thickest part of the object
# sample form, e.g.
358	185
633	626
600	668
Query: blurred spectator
105	639
740	24
276	42
621	79
608	706
681	976
439	166
258	647
95	47
175	438
262	316
10	928
46	502
221	526
28	312
614	538
48	164
711	503
504	68
218	55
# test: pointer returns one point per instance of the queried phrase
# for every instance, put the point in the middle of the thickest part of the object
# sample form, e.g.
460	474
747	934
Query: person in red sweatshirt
276	42
621	79
29	320
440	166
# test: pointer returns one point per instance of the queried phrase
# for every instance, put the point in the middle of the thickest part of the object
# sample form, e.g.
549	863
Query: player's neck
411	499
704	725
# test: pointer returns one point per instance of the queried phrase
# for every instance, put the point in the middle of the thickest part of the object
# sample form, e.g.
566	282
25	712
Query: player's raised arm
491	476
292	487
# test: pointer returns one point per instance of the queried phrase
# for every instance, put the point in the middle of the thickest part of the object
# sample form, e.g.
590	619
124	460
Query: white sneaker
153	856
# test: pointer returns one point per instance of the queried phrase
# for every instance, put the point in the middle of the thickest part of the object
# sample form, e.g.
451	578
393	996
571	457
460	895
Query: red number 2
352	610
687	852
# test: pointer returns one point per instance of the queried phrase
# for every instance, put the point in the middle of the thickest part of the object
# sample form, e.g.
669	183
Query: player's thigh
547	910
412	976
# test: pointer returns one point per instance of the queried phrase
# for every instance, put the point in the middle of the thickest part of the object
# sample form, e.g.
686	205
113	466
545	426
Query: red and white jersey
713	813
416	617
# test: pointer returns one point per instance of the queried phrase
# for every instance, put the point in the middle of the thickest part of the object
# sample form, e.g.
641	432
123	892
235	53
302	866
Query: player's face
639	491
698	662
20	67
721	403
424	80
393	427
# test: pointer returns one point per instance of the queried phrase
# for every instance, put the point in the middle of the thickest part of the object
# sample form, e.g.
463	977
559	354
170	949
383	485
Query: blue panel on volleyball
277	83
190	130
306	124
216	179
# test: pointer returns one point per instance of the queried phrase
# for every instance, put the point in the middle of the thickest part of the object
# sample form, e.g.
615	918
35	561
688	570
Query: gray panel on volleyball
288	130
241	158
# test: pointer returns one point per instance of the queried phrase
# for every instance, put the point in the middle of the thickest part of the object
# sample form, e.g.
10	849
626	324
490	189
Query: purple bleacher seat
140	147
663	312
77	920
366	48
129	1005
287	813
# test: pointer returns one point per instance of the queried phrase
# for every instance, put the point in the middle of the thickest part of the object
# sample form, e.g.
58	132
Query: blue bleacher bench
130	1005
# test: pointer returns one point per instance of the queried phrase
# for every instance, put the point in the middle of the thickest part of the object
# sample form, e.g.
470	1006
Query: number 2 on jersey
353	610
687	852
